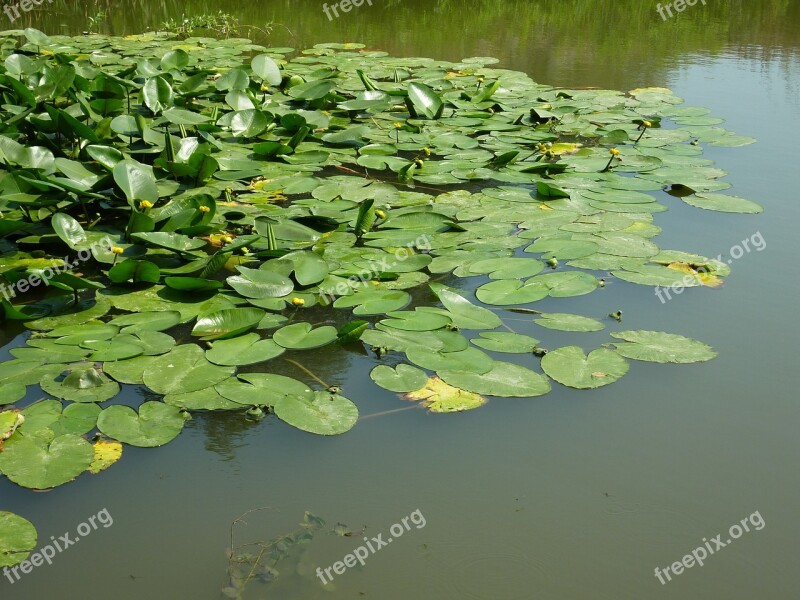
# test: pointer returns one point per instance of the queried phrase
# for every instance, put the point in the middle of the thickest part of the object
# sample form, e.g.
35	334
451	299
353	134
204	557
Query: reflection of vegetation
561	43
222	24
258	561
219	24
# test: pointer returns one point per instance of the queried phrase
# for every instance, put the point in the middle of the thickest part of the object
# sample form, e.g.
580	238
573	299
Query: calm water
572	495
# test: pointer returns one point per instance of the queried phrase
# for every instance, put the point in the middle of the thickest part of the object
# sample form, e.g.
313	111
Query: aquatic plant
252	201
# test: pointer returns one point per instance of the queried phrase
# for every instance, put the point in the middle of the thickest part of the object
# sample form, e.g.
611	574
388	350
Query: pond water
571	495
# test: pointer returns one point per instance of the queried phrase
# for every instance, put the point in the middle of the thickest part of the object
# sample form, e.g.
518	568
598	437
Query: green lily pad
82	384
207	399
244	350
571	367
403	378
17	540
147	321
227	323
155	424
501	341
415	320
12	392
505	292
302	336
660	347
262	389
183	369
723	203
568	322
503	379
41	466
374	302
471	360
326	414
463	313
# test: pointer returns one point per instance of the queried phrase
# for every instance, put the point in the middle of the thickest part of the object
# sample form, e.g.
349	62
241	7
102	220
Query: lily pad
244	350
183	369
571	367
325	414
568	322
302	336
501	341
155	424
40	466
503	379
660	347
403	378
17	540
440	397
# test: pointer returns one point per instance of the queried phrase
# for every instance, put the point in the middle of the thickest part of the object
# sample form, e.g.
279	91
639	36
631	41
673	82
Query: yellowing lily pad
440	397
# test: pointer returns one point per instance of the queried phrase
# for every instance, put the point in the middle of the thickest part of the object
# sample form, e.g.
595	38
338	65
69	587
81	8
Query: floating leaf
571	367
568	322
17	540
244	350
226	323
403	378
41	464
440	397
302	336
155	425
326	414
660	347
106	453
503	379
501	341
183	369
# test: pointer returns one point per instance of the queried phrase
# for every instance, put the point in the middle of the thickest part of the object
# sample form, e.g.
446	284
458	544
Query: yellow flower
117	250
427	151
397	125
647	123
298	301
245	250
419	162
204	209
613	152
226	239
265	88
380	214
145	204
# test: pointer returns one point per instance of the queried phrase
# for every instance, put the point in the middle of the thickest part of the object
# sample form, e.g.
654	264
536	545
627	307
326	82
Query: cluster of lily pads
252	202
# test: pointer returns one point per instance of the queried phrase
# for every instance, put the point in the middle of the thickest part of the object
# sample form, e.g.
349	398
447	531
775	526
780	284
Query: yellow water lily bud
245	250
397	125
613	152
380	214
419	162
264	88
145	204
226	239
117	250
204	209
647	123
427	151
298	301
